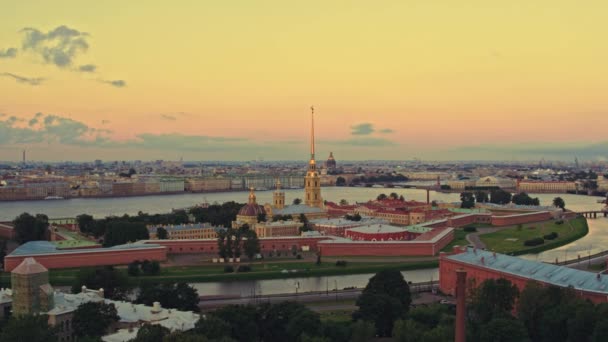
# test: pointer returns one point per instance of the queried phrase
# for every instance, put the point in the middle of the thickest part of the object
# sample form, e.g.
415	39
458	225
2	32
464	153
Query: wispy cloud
386	131
8	53
168	117
362	129
115	83
87	68
33	81
58	46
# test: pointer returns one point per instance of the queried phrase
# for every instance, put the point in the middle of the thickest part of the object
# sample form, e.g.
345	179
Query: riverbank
259	271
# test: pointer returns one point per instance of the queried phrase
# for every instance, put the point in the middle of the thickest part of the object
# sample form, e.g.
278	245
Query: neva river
596	241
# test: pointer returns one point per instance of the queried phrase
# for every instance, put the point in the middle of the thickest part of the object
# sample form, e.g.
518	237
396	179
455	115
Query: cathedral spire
312	133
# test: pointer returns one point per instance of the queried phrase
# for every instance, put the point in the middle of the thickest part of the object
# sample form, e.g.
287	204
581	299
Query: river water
596	241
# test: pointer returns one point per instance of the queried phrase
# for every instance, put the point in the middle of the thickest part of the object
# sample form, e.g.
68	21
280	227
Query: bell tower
278	197
312	181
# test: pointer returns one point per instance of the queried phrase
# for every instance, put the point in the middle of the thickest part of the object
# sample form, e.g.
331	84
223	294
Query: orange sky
447	79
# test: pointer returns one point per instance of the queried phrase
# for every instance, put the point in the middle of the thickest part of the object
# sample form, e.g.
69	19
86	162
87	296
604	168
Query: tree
467	200
504	329
180	296
30	228
85	223
363	331
524	199
28	328
151	333
393	196
500	196
297	201
251	245
340	181
385	299
133	269
93	318
261	217
343	202
482	197
559	202
212	327
381	197
113	282
122	232
161	233
304	221
493	298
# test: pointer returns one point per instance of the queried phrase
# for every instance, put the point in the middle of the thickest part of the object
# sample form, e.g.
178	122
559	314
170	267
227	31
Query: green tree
251	245
343	202
262	217
302	218
500	196
393	196
161	233
212	327
180	296
28	329
151	333
385	299
30	228
122	232
243	320
340	181
297	201
381	197
524	199
85	223
362	331
133	269
559	202
600	333
481	197
114	283
467	200
93	318
493	298
505	329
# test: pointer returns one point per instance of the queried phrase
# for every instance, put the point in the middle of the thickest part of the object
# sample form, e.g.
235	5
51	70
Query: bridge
594	213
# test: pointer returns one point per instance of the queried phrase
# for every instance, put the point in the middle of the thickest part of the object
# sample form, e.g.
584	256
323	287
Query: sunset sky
234	80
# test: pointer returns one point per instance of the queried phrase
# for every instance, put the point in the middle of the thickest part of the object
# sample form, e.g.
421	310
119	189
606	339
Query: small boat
53	198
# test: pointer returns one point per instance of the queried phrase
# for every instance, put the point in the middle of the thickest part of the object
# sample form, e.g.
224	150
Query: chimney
461	280
156	308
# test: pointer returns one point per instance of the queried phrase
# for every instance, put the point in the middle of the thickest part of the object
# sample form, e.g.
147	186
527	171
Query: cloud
535	150
362	129
115	83
33	81
8	53
168	117
386	131
87	68
105	122
361	142
59	46
33	122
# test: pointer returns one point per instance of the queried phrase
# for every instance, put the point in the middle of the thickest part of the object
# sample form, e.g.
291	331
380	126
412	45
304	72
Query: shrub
534	242
228	269
470	229
559	222
133	269
341	263
299	256
551	236
244	268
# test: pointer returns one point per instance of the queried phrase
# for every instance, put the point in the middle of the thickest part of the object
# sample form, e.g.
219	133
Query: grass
213	273
459	240
511	241
337	316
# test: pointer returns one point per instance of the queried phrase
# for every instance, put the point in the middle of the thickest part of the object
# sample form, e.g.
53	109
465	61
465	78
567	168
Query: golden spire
278	184
251	195
312	165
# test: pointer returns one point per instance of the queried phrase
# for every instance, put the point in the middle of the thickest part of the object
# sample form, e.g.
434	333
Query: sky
234	80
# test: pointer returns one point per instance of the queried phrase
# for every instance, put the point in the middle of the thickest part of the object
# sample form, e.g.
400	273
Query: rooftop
340	222
297	209
533	270
45	247
377	228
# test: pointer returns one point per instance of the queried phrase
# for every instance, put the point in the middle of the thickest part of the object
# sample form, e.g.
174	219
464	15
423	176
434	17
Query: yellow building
545	186
278	228
185	231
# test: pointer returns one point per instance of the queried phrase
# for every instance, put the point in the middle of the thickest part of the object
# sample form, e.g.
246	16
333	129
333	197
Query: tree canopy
559	202
28	329
180	296
121	232
31	228
93	318
524	199
467	200
114	283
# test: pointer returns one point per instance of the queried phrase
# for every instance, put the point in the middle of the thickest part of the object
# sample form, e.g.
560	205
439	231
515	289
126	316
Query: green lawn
459	240
511	240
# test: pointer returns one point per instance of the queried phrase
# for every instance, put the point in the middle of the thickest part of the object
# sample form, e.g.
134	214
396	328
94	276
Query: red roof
29	266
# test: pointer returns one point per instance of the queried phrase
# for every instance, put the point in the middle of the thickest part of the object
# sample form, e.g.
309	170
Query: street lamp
297	284
336	284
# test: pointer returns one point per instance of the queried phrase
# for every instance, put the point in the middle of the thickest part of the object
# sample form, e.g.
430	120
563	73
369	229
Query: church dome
331	162
251	209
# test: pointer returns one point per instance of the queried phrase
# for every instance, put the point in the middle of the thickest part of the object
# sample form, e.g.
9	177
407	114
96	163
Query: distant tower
312	181
278	198
330	164
32	292
23	157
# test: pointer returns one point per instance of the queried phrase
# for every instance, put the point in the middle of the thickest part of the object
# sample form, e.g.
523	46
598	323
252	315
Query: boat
53	198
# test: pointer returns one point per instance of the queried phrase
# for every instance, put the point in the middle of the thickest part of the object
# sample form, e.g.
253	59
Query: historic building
312	181
249	212
330	164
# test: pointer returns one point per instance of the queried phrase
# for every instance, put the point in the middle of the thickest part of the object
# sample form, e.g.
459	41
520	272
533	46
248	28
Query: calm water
595	241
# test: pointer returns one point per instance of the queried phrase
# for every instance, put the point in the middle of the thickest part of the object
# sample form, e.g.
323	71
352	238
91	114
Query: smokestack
461	310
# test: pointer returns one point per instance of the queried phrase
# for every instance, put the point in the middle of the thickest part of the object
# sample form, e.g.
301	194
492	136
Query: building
208	184
481	265
337	226
330	164
172	185
249	213
278	228
51	256
185	231
312	181
32	294
377	232
533	186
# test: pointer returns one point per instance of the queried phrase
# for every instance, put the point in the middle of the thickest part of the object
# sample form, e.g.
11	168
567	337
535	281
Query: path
473	238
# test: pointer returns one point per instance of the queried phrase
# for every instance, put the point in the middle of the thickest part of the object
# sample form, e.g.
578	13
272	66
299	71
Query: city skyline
116	81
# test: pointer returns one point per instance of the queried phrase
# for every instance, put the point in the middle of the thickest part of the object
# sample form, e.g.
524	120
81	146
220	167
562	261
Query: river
596	241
